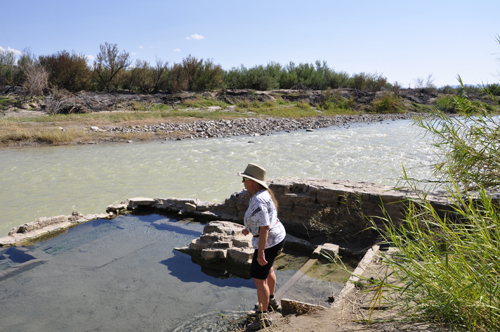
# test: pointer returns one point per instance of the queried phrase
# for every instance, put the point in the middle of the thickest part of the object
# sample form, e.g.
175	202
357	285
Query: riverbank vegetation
114	70
447	264
50	99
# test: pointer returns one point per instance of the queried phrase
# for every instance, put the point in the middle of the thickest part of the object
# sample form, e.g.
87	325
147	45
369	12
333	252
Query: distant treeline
113	70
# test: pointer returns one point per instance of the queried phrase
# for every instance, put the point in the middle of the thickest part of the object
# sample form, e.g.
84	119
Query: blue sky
403	40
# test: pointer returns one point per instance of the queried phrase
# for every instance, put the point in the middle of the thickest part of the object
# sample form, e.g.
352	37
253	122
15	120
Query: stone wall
301	199
298	200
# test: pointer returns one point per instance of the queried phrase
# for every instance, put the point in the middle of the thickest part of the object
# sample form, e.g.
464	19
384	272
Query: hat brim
262	183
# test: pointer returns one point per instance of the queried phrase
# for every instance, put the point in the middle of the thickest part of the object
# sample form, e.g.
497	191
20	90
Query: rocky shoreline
249	126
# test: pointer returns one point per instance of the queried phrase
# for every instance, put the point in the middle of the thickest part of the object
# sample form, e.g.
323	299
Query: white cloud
177	50
195	36
141	46
16	52
133	53
90	58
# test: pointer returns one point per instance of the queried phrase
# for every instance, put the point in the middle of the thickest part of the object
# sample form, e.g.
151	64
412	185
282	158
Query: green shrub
446	104
257	78
334	101
303	105
8	69
448	90
388	103
288	77
366	81
493	89
108	64
68	71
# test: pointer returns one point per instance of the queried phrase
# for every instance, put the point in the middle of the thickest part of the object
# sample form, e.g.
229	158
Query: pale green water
58	180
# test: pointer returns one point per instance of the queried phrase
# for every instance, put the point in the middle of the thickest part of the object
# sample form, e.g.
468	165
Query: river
124	274
50	181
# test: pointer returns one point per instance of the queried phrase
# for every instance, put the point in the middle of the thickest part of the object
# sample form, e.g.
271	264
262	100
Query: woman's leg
271	281
262	293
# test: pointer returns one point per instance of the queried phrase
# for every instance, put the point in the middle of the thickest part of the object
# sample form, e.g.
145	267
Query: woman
261	220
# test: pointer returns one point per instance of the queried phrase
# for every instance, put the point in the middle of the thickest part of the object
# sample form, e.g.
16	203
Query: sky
402	40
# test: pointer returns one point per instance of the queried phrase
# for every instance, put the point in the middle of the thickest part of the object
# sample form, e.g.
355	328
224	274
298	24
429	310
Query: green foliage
333	101
388	103
447	89
449	267
493	89
203	102
208	77
257	78
366	81
288	77
469	145
8	68
111	71
138	78
446	104
67	71
194	75
108	64
447	264
317	76
6	102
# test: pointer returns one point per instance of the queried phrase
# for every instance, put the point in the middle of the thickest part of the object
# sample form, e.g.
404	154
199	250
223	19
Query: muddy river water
123	274
50	181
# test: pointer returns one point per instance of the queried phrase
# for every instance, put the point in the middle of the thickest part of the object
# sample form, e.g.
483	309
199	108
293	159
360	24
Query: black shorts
262	272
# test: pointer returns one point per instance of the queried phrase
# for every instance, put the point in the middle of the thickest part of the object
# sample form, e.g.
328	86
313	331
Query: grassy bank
60	129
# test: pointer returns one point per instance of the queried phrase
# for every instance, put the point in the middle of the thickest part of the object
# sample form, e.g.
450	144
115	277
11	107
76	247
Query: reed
447	266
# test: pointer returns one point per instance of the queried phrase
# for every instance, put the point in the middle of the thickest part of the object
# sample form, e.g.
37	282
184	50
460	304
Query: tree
67	70
109	62
35	78
7	67
159	75
140	77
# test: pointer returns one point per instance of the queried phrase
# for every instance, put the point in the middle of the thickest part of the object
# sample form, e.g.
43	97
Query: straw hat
256	173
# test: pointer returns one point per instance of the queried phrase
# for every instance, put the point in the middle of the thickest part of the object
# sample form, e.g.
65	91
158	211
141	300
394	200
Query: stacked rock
222	246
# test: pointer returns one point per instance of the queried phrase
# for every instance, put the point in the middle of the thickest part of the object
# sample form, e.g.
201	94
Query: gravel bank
252	126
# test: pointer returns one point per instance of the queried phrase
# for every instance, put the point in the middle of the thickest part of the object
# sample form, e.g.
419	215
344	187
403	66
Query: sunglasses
245	180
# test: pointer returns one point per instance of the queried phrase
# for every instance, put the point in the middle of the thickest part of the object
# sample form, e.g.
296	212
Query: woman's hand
261	258
245	231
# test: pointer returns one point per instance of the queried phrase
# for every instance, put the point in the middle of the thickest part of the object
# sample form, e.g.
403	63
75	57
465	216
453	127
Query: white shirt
262	212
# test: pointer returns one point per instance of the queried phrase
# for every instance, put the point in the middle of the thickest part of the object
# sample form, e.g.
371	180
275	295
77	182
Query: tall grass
48	136
469	145
449	266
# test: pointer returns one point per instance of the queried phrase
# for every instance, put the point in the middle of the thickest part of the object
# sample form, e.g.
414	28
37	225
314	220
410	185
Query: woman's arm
263	233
